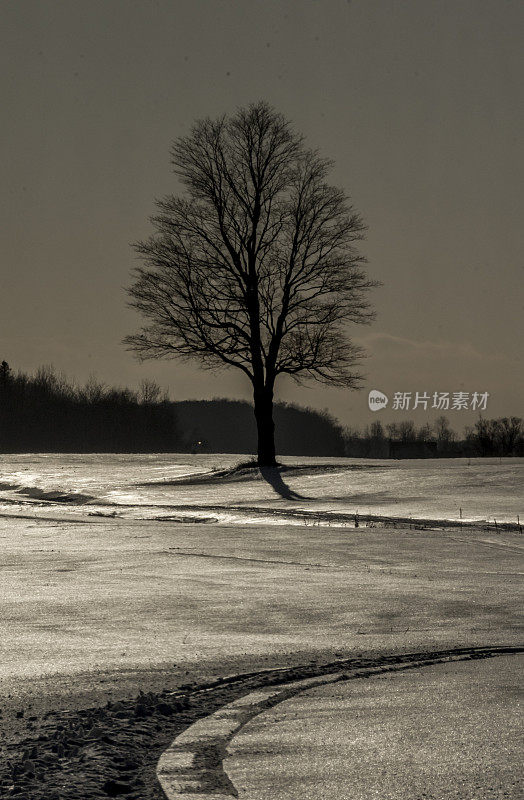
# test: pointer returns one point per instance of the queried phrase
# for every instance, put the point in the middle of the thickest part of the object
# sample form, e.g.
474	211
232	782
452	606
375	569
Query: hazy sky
419	102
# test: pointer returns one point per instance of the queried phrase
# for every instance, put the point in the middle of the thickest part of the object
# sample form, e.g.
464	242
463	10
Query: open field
113	594
96	608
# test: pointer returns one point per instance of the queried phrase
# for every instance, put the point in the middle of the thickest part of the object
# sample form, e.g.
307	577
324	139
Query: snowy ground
103	565
141	486
450	731
111	583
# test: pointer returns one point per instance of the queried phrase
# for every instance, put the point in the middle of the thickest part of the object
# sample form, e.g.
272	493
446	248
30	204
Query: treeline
228	426
487	437
497	437
46	412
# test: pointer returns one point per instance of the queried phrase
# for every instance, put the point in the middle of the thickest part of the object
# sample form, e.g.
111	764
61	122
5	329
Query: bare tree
510	432
444	435
149	392
257	266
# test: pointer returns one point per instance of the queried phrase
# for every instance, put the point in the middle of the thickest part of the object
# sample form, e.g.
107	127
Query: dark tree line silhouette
487	437
228	426
499	437
46	412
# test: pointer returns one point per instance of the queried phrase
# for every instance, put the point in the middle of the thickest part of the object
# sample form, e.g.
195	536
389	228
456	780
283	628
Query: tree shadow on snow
274	478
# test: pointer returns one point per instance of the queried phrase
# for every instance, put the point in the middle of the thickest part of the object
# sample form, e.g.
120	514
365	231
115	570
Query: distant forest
46	412
228	426
487	437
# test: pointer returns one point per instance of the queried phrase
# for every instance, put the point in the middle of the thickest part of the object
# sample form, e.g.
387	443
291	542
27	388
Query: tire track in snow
193	764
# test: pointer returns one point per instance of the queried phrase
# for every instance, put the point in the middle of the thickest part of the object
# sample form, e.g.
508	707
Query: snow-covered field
108	588
315	490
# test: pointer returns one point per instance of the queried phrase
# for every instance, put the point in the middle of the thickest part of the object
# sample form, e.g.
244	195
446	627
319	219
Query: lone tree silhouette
256	267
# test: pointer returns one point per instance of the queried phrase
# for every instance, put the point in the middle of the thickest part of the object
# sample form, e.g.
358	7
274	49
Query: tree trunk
263	400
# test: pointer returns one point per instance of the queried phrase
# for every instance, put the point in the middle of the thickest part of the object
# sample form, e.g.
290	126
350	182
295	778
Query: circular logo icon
377	400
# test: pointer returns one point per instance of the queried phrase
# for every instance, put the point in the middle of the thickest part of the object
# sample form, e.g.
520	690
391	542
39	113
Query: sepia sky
418	103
